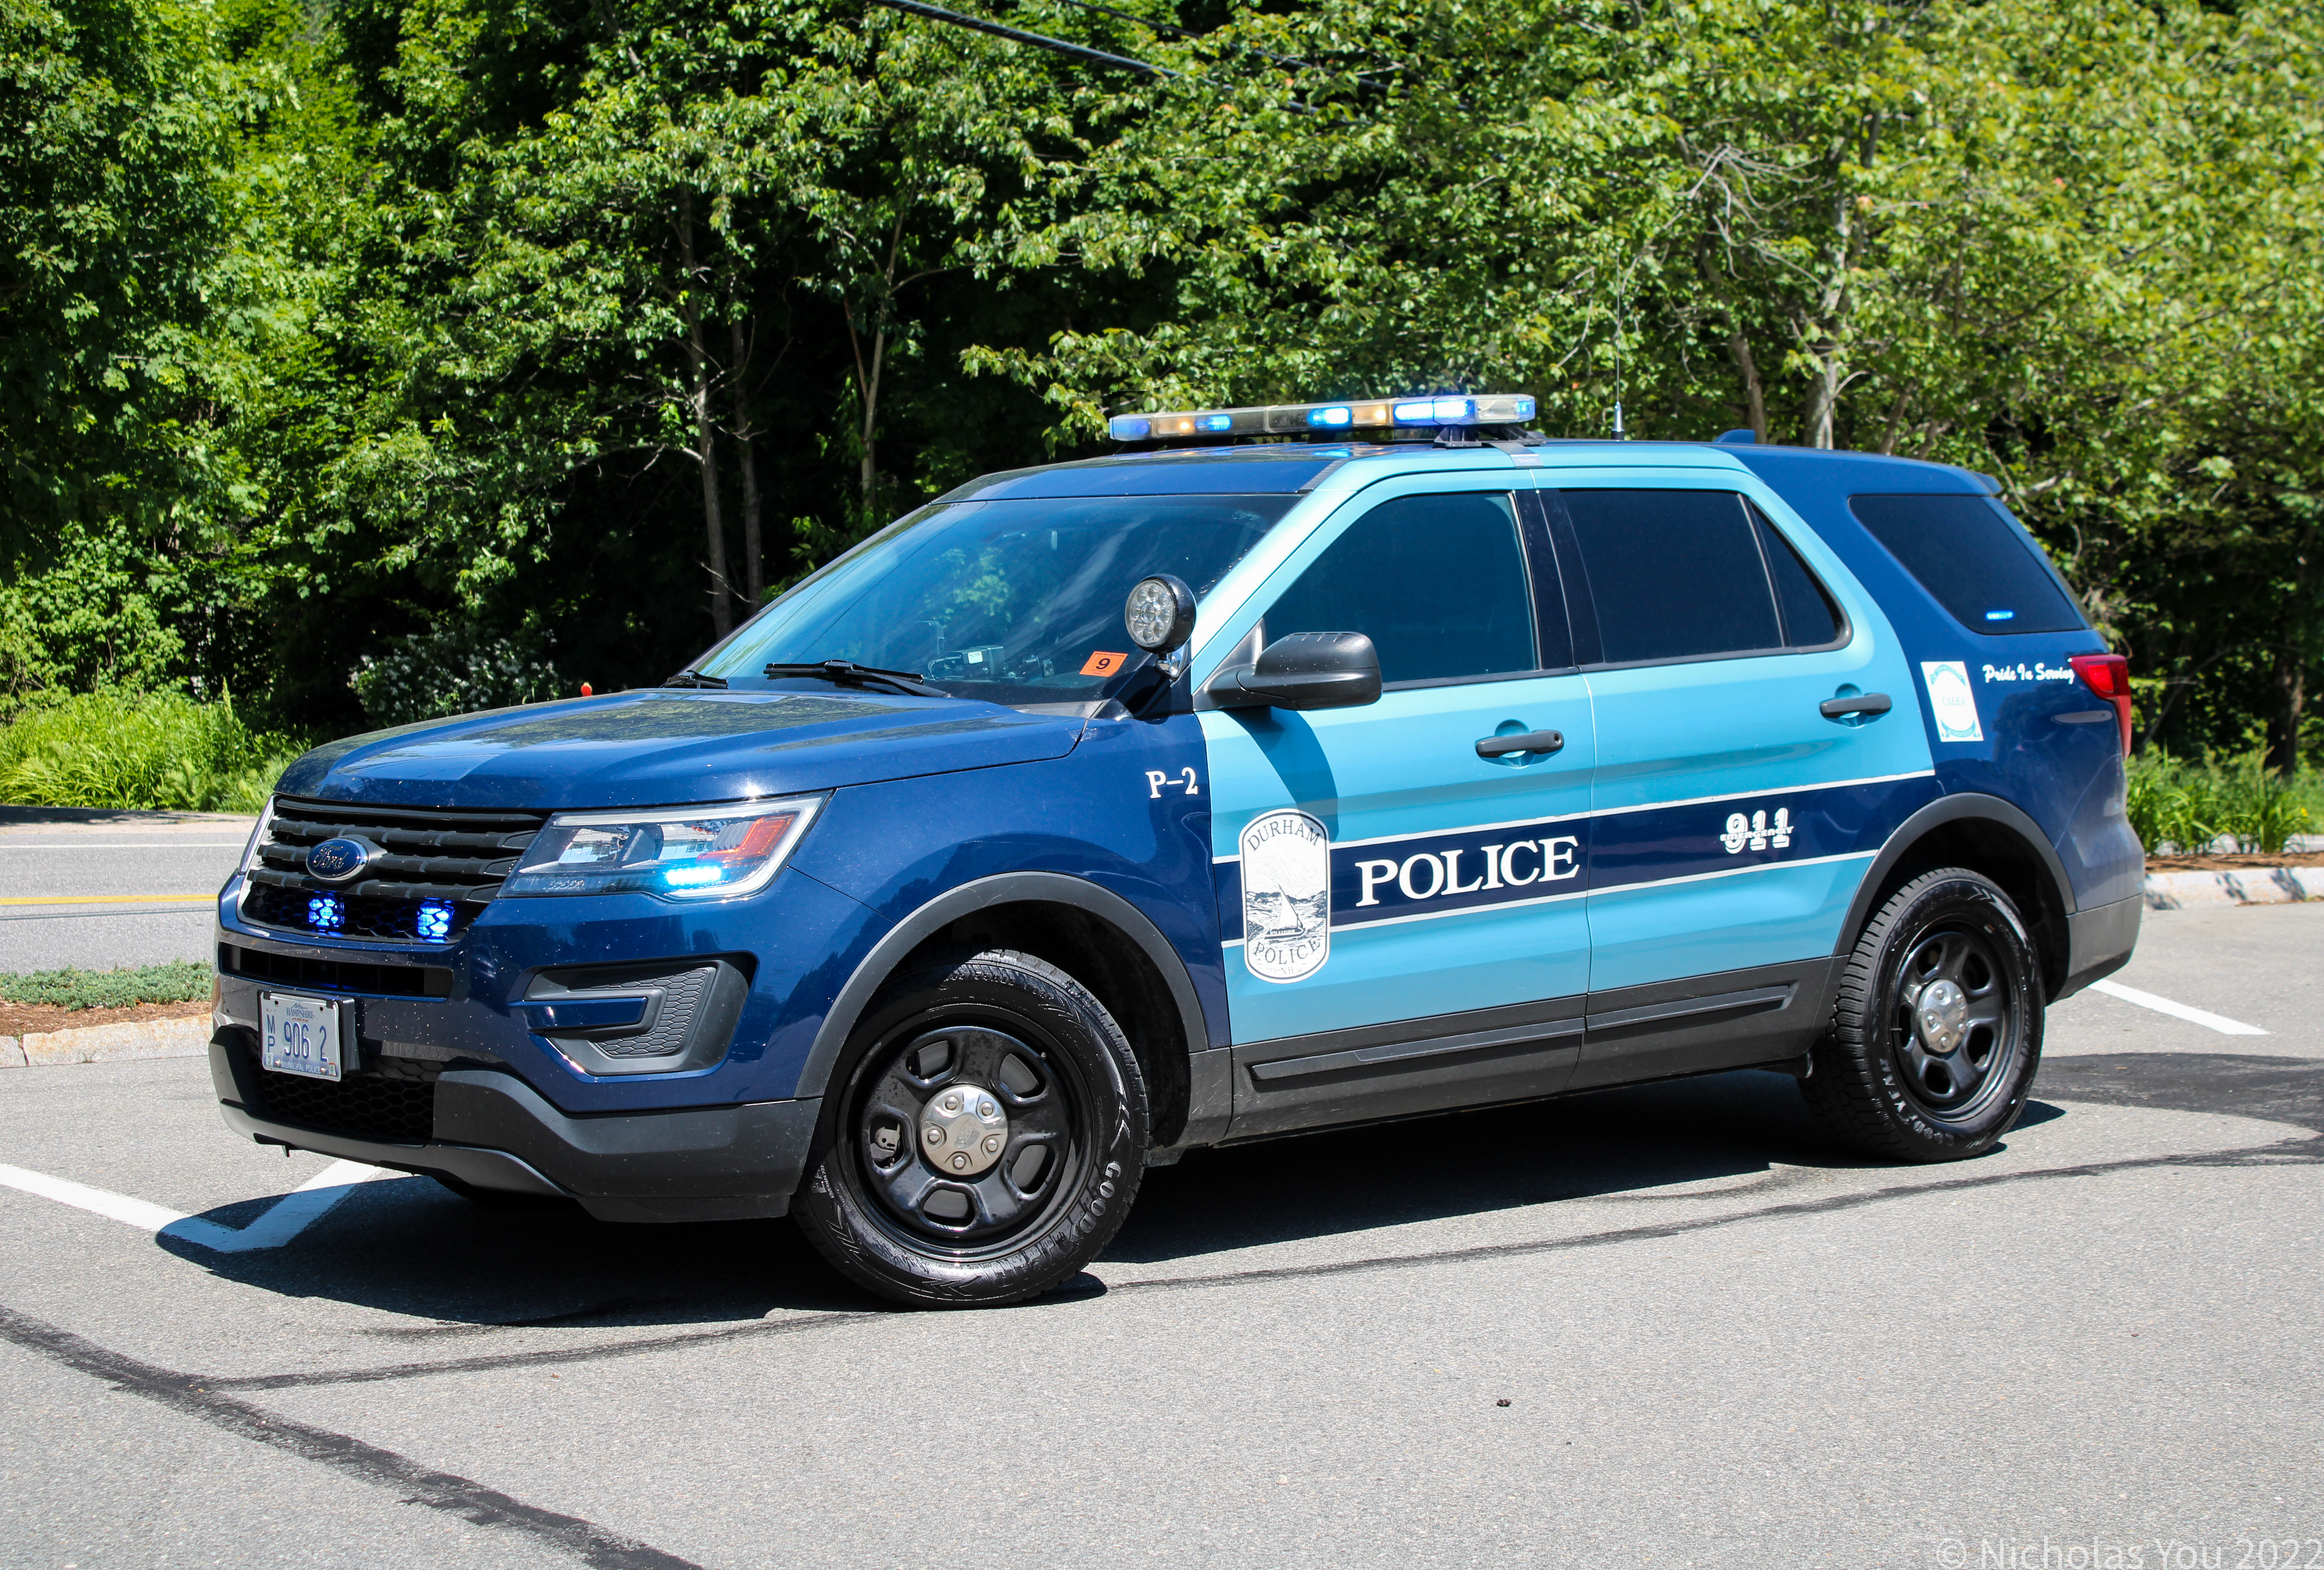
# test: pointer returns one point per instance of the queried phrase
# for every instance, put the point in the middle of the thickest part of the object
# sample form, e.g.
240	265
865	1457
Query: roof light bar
1282	419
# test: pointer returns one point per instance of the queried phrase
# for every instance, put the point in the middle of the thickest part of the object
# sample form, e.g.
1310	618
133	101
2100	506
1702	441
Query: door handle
1542	741
1866	703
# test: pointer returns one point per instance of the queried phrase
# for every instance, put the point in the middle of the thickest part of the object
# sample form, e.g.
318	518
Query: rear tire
985	1137
1937	1033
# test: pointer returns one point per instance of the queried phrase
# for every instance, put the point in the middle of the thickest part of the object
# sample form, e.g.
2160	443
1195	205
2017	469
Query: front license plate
302	1035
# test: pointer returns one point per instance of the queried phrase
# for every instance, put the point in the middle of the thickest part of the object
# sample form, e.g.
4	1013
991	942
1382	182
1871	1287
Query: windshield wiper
690	677
845	673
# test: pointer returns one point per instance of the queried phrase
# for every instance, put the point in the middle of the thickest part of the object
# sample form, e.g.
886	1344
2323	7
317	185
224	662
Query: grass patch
180	981
113	748
2188	806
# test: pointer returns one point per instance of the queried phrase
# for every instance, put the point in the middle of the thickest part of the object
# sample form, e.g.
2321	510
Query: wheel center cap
1940	1015
963	1130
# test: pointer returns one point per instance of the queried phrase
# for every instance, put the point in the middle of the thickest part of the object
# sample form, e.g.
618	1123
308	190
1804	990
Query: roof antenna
1619	433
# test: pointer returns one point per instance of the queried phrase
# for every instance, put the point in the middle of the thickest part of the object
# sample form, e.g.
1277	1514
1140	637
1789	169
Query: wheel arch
1987	835
1099	937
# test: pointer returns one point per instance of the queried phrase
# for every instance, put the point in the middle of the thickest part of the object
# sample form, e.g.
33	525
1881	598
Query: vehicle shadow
1635	1143
411	1247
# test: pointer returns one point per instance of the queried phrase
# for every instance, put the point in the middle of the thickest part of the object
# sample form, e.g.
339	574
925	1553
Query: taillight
2108	675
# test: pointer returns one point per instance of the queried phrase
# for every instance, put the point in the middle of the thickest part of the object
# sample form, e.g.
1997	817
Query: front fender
1006	888
1119	830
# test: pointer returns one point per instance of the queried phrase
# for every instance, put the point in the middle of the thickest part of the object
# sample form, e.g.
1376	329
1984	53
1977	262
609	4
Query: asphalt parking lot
1721	1340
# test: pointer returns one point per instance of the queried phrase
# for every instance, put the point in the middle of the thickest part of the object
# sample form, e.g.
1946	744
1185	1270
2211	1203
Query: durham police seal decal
1287	895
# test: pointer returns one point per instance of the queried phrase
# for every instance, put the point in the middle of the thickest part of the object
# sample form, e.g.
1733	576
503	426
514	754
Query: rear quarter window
1967	554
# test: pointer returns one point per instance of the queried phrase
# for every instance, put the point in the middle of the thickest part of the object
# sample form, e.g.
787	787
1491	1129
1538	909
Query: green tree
2074	246
115	122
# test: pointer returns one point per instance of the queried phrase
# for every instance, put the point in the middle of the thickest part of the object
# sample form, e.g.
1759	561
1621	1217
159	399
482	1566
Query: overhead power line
1059	45
1037	40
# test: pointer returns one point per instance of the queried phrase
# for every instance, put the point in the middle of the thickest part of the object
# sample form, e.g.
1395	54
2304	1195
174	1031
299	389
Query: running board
1405	1051
1757	1000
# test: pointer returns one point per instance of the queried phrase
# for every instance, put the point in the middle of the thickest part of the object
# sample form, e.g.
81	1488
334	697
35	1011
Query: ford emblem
337	860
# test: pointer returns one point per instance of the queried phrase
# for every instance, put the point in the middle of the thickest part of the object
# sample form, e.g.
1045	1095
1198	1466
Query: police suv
1430	765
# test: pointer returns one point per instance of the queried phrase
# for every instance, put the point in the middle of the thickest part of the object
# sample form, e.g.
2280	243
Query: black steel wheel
986	1140
1937	1033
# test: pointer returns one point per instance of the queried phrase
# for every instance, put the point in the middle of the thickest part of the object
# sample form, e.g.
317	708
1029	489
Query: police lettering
1434	873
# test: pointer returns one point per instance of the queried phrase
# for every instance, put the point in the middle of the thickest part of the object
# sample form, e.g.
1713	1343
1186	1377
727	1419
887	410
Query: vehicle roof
1290	467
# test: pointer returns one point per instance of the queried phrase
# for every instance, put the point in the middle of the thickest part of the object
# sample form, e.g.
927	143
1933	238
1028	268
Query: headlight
675	852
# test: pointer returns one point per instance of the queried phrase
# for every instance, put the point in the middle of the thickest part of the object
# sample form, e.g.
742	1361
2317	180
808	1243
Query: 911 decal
1758	832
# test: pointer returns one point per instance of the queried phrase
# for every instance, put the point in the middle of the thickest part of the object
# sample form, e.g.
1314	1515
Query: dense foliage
117	749
374	360
2238	804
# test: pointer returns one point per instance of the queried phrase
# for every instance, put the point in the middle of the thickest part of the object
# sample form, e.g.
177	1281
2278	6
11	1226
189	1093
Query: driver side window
1438	583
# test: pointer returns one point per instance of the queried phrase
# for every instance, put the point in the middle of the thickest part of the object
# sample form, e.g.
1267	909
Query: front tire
987	1136
1937	1033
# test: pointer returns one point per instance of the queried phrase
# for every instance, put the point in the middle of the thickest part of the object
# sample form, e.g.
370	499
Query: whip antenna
1619	433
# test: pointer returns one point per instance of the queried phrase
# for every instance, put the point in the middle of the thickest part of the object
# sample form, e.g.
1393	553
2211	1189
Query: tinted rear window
1811	619
1675	574
1965	552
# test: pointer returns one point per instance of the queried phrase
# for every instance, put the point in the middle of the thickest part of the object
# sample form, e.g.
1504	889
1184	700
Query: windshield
1016	601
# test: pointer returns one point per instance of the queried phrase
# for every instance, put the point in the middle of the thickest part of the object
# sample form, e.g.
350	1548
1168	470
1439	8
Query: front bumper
493	1131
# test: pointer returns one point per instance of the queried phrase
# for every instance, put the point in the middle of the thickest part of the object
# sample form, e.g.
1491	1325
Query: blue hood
668	746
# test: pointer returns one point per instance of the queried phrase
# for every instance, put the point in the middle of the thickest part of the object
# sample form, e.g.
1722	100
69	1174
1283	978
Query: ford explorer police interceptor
1397	761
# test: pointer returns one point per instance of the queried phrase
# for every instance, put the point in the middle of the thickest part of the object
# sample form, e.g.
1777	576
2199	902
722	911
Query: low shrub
115	748
2179	806
455	669
180	981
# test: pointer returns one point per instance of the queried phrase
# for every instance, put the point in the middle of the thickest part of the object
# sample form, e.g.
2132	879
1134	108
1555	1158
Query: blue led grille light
326	912
434	923
1482	409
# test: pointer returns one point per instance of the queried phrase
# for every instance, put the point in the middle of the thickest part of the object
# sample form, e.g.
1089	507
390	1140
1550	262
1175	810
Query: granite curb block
188	1036
2173	891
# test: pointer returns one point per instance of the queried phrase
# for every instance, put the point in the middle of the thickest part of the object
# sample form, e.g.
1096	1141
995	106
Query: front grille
439	867
393	1101
336	975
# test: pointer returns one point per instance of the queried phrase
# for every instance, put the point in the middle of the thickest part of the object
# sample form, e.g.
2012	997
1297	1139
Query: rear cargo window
1965	552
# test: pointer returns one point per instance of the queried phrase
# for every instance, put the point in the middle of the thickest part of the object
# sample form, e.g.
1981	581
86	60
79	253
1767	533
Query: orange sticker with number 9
1102	664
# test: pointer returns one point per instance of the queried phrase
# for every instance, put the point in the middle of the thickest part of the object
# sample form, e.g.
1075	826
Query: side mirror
1306	670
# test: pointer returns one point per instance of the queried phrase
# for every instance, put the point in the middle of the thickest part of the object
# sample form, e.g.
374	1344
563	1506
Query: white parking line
284	1220
2219	1023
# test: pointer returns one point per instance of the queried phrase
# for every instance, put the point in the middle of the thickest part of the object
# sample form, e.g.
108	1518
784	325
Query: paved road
1722	1342
100	889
